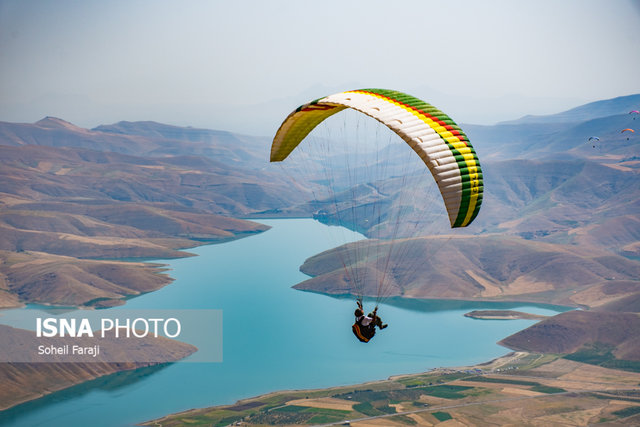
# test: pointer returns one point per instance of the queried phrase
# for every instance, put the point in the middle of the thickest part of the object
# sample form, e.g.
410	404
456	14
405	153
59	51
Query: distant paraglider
593	140
627	130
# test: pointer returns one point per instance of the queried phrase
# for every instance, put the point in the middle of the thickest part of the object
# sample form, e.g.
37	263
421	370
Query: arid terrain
488	267
524	389
70	194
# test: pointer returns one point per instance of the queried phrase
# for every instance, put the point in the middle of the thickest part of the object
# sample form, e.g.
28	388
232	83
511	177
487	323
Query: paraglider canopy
440	143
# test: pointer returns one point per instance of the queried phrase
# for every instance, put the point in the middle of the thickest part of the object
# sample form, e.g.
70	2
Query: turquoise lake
274	337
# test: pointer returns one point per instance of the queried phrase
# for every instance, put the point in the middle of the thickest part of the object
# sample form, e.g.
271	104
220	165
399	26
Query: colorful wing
439	142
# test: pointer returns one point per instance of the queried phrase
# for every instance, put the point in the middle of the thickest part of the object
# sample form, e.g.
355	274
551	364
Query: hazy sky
243	65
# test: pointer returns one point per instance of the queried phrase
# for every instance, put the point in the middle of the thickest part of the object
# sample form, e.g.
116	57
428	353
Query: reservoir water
274	337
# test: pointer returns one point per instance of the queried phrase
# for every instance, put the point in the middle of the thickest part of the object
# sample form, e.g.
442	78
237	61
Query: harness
363	333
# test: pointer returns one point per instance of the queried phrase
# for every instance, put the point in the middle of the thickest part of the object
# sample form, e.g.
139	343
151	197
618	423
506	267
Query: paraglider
627	130
634	113
593	140
364	327
438	141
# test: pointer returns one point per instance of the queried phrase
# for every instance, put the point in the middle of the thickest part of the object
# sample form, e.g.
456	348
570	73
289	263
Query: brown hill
45	173
566	201
59	197
476	267
563	201
238	153
55	132
37	277
117	230
577	330
627	303
122	202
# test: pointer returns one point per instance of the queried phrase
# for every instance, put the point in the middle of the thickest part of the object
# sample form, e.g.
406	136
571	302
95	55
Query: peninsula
502	315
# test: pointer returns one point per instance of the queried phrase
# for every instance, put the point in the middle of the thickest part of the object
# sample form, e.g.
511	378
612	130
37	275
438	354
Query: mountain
40	277
146	139
105	194
491	268
604	108
245	152
555	140
604	337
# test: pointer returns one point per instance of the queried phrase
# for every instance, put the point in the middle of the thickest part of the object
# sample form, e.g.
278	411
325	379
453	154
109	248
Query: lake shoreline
503	315
477	314
441	391
130	275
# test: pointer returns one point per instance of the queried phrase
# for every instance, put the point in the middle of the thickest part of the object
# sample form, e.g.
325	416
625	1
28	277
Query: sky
243	66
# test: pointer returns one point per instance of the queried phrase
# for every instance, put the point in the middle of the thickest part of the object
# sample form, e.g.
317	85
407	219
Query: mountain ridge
592	110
